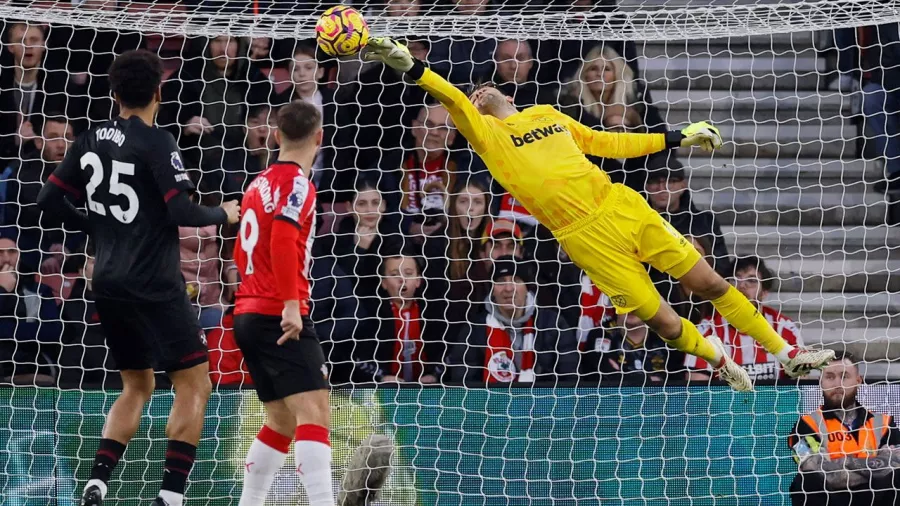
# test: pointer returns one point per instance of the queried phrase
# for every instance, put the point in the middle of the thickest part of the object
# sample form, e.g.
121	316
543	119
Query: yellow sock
692	342
740	314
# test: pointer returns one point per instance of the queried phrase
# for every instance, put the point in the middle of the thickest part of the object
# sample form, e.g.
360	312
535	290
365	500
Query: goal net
425	269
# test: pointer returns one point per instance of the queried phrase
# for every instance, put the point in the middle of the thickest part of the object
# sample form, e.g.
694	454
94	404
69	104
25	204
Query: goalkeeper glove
701	134
393	54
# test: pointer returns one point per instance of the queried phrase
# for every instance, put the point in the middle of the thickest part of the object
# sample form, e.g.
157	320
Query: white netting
803	93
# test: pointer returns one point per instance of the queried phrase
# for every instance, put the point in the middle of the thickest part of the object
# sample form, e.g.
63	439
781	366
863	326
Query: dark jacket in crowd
30	329
196	90
361	265
555	346
83	359
36	231
336	314
55	92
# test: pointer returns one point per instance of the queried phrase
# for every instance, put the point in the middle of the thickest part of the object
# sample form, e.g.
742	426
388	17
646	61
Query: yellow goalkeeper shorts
611	244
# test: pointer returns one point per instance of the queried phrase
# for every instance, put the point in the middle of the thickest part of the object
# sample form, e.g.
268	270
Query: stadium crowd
425	270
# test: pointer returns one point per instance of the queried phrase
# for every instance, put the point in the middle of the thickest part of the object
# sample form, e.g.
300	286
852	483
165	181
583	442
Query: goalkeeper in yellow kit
607	229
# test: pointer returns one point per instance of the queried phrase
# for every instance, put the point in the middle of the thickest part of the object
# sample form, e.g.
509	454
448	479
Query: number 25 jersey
125	171
281	192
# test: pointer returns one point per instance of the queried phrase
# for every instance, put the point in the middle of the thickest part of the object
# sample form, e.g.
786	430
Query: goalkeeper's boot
803	361
92	496
729	371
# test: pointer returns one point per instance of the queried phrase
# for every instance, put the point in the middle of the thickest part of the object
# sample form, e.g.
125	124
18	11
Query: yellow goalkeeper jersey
538	154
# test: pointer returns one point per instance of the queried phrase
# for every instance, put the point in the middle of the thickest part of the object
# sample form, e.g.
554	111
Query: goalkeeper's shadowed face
491	101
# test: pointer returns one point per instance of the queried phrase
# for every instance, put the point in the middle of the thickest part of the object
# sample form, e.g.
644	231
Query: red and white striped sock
313	456
265	457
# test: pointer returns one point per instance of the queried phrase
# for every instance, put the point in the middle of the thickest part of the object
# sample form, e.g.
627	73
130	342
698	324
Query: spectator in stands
205	105
84	359
20	211
336	313
28	89
359	243
464	60
398	8
455	270
502	238
201	266
30	327
629	353
510	339
429	171
847	455
514	73
408	344
380	106
668	193
305	76
754	280
260	51
241	166
606	93
881	101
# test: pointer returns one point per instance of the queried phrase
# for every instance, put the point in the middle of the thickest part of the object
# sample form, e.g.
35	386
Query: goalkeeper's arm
470	123
631	145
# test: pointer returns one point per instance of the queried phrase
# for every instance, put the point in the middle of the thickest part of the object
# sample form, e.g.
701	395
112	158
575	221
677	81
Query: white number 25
116	187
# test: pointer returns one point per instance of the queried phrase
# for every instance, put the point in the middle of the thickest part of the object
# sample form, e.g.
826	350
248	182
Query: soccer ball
341	31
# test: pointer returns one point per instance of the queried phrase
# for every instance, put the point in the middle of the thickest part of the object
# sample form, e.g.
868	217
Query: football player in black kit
128	175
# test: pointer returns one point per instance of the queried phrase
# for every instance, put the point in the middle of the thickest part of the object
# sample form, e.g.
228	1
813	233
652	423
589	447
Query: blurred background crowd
425	270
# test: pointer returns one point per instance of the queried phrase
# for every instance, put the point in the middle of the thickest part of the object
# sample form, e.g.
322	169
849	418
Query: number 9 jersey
281	192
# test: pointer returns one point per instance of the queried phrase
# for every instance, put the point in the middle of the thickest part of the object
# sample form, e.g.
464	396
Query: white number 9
249	236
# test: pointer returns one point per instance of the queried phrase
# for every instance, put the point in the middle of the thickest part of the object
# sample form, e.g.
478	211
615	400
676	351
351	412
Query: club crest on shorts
324	371
619	300
501	367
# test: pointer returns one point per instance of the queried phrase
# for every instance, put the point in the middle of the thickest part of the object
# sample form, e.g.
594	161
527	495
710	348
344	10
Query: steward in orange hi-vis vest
824	432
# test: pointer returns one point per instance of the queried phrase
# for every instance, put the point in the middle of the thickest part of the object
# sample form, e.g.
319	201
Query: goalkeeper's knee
368	471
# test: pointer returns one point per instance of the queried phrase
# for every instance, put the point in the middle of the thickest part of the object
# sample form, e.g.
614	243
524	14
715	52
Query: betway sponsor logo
536	135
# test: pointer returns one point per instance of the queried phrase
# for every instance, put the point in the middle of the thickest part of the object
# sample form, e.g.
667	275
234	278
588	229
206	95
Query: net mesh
802	92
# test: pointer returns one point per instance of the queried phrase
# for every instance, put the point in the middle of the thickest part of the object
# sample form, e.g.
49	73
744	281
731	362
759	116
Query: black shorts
152	335
279	371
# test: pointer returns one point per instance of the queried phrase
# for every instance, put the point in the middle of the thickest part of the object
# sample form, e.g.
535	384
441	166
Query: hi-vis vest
838	442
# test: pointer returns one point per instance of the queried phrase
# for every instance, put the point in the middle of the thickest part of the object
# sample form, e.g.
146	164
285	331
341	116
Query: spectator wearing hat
510	339
502	238
668	193
408	344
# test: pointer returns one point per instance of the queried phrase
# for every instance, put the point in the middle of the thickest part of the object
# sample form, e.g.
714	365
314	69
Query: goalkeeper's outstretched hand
701	134
393	54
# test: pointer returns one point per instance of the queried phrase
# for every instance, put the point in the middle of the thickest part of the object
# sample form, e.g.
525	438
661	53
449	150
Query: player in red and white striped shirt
754	280
272	325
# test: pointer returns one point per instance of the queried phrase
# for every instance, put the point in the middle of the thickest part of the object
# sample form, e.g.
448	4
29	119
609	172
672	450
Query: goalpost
794	185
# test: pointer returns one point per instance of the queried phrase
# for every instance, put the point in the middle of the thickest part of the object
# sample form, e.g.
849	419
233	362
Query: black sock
179	461
106	458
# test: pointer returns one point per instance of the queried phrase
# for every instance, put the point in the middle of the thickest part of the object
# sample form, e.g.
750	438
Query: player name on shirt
110	134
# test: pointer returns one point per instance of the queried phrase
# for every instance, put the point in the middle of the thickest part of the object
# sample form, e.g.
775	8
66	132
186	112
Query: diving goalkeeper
607	229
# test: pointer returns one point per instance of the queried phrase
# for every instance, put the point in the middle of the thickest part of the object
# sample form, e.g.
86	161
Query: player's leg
684	336
312	446
122	422
183	429
738	311
184	357
292	383
267	452
130	344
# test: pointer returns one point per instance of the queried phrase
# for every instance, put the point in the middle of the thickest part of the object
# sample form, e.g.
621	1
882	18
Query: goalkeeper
607	229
